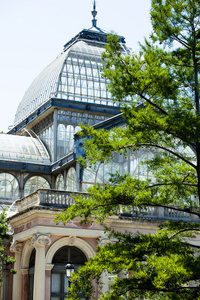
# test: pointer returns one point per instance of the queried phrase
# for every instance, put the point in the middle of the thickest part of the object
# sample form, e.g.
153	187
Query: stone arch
69	241
26	254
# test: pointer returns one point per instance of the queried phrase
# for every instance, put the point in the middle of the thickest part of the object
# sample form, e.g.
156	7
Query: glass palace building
39	171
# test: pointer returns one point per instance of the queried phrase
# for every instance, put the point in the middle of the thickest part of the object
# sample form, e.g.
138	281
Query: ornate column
17	278
39	241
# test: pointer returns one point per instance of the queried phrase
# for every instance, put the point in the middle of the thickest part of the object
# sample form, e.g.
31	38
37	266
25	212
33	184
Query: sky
33	33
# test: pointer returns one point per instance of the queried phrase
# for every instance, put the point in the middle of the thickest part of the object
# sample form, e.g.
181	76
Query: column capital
40	240
16	247
49	267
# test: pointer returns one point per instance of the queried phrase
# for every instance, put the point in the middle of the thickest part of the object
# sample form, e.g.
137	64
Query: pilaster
17	278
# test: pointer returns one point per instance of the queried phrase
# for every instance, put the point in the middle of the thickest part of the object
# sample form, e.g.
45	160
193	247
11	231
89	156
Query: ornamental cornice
40	240
31	214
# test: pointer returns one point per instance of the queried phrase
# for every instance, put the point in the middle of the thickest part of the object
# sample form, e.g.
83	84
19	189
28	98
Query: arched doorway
59	282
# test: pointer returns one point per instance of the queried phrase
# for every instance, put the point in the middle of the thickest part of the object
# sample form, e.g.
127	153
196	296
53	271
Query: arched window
9	188
59	185
70	137
61	147
71	180
59	282
34	183
65	142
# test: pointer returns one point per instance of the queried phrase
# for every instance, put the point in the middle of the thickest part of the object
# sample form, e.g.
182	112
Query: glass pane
66	284
71	180
59	182
55	283
34	183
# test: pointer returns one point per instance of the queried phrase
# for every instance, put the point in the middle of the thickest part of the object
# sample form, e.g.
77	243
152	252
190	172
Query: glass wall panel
133	163
89	178
138	168
101	172
71	180
59	185
34	183
47	137
81	75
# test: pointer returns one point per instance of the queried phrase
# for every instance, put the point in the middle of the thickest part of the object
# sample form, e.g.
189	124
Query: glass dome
74	75
22	148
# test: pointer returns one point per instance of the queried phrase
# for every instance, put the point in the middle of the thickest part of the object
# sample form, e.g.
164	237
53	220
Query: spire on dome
94	13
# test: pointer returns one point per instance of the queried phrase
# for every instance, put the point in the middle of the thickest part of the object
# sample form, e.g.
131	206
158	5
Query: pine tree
158	90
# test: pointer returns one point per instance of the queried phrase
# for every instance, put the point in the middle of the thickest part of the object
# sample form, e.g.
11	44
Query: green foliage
4	259
158	90
160	266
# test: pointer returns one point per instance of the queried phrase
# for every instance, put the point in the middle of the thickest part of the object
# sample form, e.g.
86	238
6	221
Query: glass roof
74	75
23	148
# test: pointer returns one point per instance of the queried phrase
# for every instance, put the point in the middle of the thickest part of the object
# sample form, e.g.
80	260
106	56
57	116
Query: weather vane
94	13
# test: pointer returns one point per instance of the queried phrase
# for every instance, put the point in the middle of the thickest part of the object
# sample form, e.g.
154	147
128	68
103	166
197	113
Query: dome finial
94	13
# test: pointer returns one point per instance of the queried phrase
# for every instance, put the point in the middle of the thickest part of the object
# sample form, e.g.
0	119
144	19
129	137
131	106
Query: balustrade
64	199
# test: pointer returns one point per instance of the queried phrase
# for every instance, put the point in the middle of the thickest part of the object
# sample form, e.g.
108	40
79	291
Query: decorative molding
104	241
75	118
40	240
44	124
66	241
49	267
93	36
24	271
72	240
16	247
26	254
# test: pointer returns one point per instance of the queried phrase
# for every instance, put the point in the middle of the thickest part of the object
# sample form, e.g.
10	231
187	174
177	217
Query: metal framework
74	75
